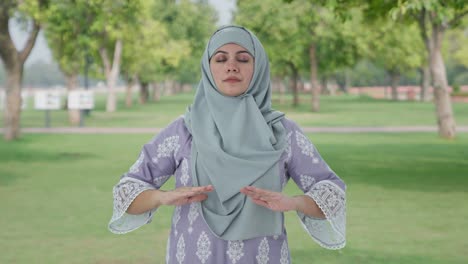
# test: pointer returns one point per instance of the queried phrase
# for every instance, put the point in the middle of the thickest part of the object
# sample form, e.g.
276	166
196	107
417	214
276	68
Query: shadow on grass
417	167
14	155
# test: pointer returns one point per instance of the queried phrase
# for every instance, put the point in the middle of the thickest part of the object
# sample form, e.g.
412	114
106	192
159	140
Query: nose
231	66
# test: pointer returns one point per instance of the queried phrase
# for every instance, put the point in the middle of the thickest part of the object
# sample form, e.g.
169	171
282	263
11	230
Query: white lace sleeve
124	193
329	232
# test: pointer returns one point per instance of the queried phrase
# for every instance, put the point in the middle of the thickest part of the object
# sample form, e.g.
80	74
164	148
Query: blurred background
380	87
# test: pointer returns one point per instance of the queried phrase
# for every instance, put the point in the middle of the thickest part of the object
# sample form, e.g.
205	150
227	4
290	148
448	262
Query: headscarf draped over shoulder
236	142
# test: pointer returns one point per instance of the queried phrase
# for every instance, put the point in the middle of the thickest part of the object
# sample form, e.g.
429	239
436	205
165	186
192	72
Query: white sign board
47	100
24	100
80	99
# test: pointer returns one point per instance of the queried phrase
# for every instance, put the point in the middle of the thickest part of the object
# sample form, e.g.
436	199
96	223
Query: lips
231	80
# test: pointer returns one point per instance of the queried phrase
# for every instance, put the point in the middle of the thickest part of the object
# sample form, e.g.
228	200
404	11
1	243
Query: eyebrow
238	52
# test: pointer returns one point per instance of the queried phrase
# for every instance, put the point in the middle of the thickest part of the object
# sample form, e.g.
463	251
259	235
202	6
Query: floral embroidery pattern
330	197
332	201
160	180
235	250
193	215
125	192
263	250
306	181
288	147
136	166
180	255
203	247
176	218
168	248
284	253
184	178
169	147
306	146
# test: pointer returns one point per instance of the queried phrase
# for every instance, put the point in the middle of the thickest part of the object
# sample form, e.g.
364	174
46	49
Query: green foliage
276	25
442	12
31	9
149	50
67	34
395	47
455	45
289	29
189	23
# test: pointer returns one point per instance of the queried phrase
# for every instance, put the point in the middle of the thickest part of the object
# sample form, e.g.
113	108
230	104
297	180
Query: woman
231	156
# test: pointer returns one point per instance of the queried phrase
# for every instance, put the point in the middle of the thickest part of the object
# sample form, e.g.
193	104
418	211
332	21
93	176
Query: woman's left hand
275	201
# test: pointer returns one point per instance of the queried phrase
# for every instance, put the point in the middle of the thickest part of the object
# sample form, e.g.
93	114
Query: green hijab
236	142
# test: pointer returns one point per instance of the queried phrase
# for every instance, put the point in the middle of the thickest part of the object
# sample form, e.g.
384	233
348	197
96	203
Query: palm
275	201
185	195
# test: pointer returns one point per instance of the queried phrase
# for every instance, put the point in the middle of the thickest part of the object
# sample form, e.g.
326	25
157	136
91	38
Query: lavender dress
191	240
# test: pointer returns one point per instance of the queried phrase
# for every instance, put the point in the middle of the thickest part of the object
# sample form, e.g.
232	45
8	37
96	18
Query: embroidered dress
191	240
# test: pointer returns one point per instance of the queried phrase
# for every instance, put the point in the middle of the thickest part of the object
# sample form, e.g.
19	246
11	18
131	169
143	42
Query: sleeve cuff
124	193
329	233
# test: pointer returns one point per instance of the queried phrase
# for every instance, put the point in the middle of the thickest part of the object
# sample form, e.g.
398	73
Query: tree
277	25
189	21
434	17
66	32
396	48
13	60
149	51
111	21
302	34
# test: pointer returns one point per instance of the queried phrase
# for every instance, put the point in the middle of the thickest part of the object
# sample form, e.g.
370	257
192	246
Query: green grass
406	200
335	111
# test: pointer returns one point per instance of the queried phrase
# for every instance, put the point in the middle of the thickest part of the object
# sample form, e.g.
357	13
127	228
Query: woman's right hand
151	199
184	195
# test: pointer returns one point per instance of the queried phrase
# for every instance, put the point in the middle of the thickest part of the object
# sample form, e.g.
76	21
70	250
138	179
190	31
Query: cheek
249	73
215	72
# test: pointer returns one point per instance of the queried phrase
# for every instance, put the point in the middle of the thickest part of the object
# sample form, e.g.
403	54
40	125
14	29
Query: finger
201	189
252	195
198	198
191	191
259	191
260	202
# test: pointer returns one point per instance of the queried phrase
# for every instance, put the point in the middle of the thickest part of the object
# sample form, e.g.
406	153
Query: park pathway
143	130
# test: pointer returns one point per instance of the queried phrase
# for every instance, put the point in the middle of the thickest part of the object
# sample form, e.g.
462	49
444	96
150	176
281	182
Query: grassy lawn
335	111
406	199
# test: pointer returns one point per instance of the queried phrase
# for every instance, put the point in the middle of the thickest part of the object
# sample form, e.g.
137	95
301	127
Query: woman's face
232	68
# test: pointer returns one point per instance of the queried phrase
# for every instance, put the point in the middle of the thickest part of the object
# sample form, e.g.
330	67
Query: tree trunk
72	84
295	88
425	82
129	91
112	72
394	82
445	118
279	88
282	91
169	87
315	88
12	110
293	84
144	92
156	91
13	62
325	89
347	81
343	80
426	70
